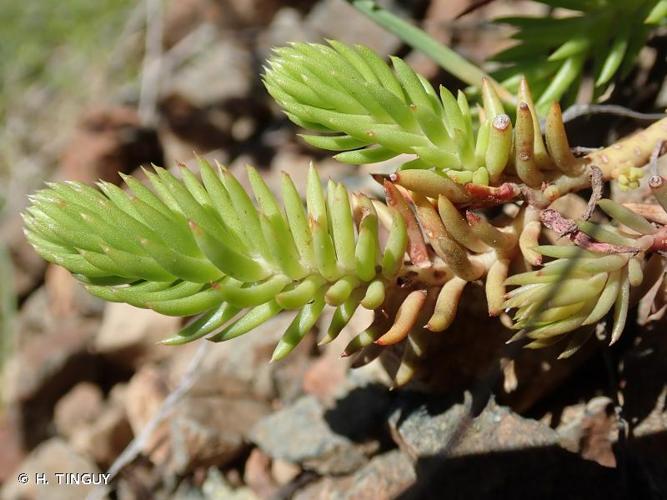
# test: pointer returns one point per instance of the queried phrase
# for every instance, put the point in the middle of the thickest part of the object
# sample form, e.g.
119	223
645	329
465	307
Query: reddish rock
79	407
257	474
325	377
145	394
386	476
200	430
329	376
105	438
591	430
11	451
283	471
51	457
67	297
50	362
107	141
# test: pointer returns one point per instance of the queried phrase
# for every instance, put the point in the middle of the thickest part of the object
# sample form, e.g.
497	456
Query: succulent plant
199	246
371	112
585	280
553	51
191	247
570	40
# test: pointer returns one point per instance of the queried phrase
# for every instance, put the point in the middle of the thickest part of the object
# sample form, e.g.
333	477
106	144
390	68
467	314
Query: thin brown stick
568	228
137	445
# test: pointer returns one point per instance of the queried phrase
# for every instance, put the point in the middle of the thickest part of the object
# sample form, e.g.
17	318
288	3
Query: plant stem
420	40
633	151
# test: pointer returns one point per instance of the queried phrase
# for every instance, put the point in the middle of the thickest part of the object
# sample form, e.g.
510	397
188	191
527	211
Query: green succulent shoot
187	247
369	112
552	52
583	283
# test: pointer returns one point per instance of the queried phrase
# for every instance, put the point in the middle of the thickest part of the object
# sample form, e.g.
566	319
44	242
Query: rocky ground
86	378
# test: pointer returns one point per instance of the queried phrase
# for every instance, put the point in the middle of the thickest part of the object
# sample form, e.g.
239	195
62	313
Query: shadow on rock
542	472
356	415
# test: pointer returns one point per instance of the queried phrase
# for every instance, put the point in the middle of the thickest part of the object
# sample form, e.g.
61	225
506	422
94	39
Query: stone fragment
385	477
130	335
12	451
49	458
299	434
590	429
257	474
283	471
144	397
325	377
207	431
286	26
201	430
216	486
50	363
222	72
105	438
109	140
357	28
81	406
67	296
242	363
442	428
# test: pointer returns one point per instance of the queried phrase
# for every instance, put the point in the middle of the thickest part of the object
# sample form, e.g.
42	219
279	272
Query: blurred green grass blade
7	312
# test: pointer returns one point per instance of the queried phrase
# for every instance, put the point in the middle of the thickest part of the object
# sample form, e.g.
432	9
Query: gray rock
223	71
300	434
465	451
43	310
424	431
287	26
28	267
202	430
130	335
210	431
385	477
242	363
35	315
326	18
